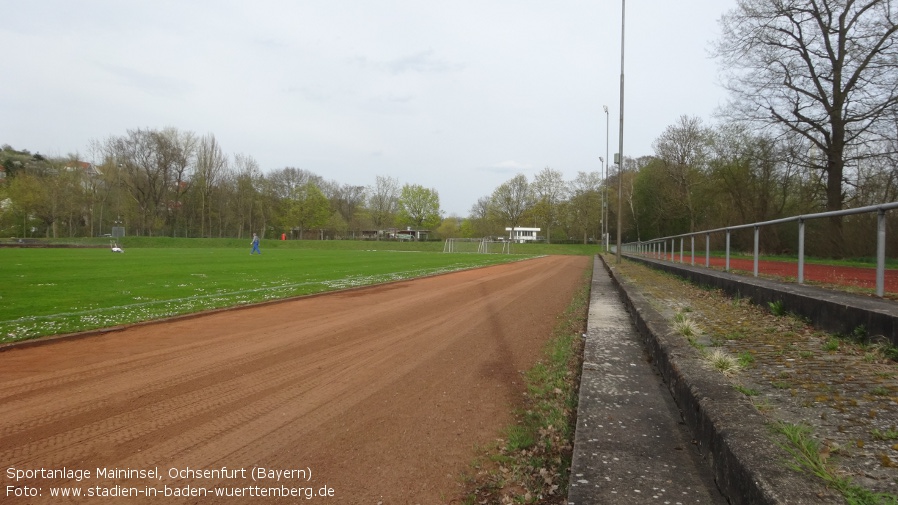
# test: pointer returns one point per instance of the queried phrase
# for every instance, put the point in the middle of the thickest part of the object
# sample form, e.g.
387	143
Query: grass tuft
807	457
777	308
685	326
746	390
723	362
746	359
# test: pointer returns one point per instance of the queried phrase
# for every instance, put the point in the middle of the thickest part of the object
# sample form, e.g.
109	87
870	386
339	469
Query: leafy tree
54	198
451	227
419	206
309	208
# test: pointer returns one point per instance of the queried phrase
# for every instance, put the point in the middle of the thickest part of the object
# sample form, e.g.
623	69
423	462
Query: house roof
88	168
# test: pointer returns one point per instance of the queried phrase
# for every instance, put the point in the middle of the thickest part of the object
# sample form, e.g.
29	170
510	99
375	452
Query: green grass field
54	291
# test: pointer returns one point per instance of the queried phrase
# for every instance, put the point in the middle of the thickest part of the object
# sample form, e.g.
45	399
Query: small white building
521	235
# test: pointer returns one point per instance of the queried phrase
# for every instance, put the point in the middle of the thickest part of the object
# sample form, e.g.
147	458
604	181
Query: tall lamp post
620	166
604	186
602	212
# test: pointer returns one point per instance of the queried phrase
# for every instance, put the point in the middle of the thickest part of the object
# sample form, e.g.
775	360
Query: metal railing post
880	253
801	251
707	250
727	268
757	238
693	250
681	249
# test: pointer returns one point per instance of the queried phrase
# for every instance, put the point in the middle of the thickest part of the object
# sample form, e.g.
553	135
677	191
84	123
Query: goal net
476	245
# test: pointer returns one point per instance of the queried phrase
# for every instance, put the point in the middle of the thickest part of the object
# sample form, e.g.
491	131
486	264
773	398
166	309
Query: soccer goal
484	245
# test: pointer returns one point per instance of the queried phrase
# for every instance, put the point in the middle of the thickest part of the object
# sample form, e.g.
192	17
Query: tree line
811	125
708	177
171	182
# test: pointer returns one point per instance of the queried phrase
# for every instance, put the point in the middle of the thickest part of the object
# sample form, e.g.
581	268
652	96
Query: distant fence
658	247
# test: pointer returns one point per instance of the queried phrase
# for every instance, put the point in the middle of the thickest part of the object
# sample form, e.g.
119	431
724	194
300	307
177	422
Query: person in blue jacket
256	245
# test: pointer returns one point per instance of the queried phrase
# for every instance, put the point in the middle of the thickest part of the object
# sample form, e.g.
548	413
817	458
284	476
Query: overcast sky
456	96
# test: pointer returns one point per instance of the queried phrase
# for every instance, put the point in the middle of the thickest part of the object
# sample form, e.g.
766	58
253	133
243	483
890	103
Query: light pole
620	166
604	186
602	212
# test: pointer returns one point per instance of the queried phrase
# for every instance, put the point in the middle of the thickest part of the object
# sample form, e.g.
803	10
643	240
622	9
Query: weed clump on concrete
723	362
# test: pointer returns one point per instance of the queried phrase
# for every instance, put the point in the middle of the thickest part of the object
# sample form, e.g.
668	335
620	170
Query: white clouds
507	167
422	62
432	93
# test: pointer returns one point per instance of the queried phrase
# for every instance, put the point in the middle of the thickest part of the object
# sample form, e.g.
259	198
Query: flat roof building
521	235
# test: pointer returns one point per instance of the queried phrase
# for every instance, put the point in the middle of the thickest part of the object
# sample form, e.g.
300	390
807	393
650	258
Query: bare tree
287	180
479	217
549	190
383	199
512	199
481	209
584	209
144	174
156	167
826	70
178	152
248	187
683	148
346	200
211	164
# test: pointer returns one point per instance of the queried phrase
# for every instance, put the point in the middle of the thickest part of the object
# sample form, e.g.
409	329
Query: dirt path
382	394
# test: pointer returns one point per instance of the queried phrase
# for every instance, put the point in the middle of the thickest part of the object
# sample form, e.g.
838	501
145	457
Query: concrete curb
829	310
747	464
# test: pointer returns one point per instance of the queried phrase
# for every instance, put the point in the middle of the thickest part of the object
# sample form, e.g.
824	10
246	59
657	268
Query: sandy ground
376	395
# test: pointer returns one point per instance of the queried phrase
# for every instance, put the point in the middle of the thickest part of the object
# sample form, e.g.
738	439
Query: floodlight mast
620	166
604	185
602	208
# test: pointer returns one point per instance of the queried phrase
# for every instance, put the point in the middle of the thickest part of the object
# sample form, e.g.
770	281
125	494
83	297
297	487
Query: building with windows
521	235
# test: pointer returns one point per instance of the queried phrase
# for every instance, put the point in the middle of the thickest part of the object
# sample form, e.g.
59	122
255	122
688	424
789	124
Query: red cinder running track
384	394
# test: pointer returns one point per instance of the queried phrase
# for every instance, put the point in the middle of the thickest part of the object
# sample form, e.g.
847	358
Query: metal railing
658	247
